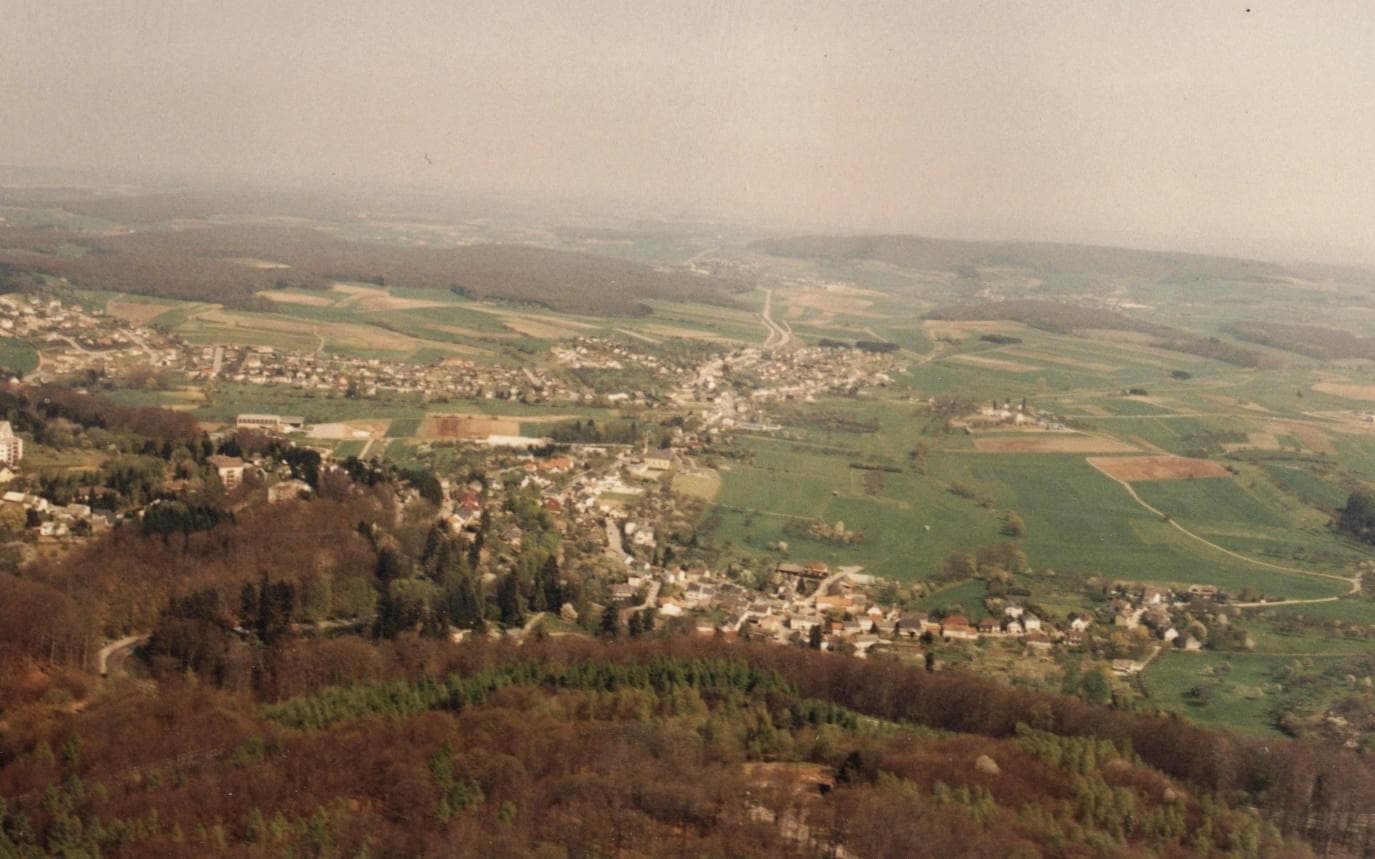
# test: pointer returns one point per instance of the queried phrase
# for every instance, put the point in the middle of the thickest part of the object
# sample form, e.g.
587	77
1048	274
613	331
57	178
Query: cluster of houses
52	521
602	353
47	519
733	392
1156	610
75	339
809	372
831	609
369	377
1005	413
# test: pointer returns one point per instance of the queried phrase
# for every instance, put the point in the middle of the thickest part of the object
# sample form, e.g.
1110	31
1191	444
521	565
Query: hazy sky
1197	124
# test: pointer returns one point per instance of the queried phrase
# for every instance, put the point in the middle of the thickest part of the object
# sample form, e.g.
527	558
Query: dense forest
1057	316
677	746
208	264
1315	341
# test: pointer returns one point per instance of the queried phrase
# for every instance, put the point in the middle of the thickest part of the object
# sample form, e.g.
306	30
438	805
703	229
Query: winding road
110	659
1353	581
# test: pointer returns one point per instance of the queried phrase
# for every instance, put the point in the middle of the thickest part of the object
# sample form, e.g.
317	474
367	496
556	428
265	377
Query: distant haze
1199	126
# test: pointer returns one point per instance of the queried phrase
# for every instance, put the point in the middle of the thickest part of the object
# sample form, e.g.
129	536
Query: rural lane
110	659
1353	581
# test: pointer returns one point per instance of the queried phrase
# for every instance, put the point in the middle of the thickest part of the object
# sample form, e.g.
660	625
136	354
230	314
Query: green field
967	596
17	356
403	427
1077	519
1224	512
345	449
1229	690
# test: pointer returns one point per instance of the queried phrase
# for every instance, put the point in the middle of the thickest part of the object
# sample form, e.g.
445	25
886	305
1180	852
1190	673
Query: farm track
1353	581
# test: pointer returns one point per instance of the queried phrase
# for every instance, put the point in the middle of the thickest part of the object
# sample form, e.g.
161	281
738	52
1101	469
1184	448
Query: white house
11	445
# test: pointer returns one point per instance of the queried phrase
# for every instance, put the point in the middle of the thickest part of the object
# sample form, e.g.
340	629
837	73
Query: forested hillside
674	747
231	264
917	252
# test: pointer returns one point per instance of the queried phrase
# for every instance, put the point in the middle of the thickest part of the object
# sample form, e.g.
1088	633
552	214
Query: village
731	387
734	392
613	496
370	377
77	340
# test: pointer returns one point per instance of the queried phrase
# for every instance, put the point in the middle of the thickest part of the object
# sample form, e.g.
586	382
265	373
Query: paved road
614	547
825	585
651	597
650	600
779	334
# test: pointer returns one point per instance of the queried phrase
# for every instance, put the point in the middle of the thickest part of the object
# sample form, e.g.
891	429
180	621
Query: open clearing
1255	441
538	329
285	332
1051	443
466	426
282	297
994	364
1346	391
834	300
373	427
942	327
1313	438
687	333
1131	468
1061	359
137	312
372	298
703	484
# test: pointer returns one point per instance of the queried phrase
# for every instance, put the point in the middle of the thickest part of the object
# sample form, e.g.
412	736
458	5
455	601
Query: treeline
1056	316
1064	318
877	346
1216	349
1315	341
1357	518
127	577
205	265
589	431
32	408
